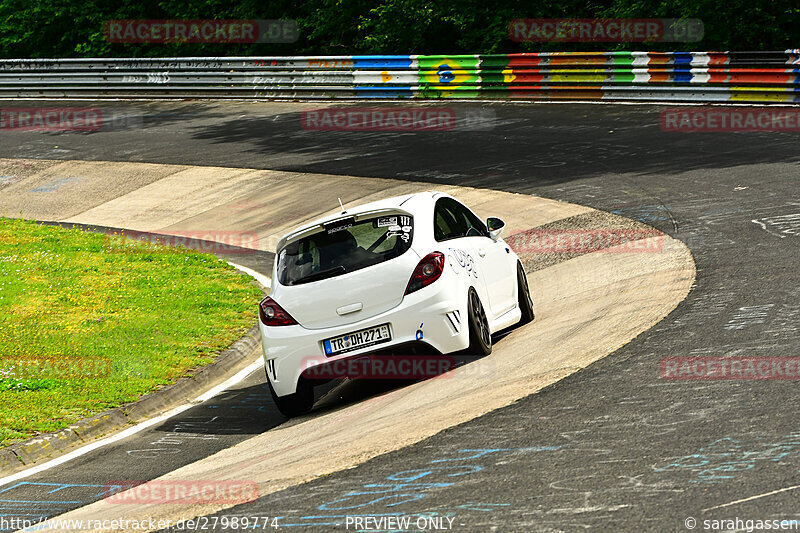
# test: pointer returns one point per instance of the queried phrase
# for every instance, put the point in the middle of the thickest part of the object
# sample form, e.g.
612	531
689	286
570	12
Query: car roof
409	203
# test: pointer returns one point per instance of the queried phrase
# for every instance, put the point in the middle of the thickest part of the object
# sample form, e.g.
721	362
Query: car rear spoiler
333	221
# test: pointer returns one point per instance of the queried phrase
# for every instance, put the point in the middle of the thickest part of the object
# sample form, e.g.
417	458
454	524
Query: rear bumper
435	315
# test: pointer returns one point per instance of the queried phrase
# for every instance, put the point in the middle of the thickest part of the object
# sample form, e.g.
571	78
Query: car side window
452	220
473	226
445	222
476	226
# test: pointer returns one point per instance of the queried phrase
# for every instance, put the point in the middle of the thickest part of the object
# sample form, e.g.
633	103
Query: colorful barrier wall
764	77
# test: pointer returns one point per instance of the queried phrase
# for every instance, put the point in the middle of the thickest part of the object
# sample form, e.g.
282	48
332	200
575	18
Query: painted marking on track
756	497
725	459
191	430
781	226
30	506
408	486
5	181
55	184
748	316
705	306
182	433
644	213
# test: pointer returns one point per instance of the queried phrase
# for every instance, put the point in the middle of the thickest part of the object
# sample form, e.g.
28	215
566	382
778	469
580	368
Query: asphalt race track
612	447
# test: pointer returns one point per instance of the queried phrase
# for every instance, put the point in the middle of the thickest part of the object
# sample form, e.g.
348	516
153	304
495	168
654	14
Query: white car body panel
377	288
371	296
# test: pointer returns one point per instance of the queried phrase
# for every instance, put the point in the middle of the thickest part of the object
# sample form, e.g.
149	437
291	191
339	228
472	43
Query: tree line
63	28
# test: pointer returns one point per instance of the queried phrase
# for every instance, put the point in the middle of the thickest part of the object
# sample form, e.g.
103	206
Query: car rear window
345	245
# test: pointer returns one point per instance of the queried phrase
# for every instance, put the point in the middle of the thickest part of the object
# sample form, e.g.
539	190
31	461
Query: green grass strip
89	321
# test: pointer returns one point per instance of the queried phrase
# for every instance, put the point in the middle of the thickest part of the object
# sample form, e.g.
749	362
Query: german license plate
357	339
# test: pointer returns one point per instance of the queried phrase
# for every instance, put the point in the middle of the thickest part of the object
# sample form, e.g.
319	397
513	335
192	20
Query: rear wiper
316	276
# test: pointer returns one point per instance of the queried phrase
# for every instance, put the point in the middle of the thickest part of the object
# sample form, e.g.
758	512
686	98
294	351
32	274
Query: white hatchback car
415	271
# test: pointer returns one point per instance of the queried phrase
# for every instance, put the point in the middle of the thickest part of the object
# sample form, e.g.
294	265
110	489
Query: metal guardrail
763	77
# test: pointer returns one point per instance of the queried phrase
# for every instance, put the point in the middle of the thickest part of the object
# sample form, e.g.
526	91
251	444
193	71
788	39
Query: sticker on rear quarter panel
464	261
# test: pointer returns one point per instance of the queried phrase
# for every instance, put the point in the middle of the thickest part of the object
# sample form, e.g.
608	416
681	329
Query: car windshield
344	246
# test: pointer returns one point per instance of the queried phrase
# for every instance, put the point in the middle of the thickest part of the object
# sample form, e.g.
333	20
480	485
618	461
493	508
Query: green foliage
20	385
63	28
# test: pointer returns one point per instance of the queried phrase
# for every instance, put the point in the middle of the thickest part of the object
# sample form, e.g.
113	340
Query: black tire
524	297
295	404
480	338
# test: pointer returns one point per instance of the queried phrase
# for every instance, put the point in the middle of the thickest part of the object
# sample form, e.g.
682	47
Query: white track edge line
261	278
240	376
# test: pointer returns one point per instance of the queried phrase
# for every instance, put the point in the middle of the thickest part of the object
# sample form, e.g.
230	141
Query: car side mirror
495	226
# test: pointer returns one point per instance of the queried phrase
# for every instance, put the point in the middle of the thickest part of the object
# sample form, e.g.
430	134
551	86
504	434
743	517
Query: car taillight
428	270
272	314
